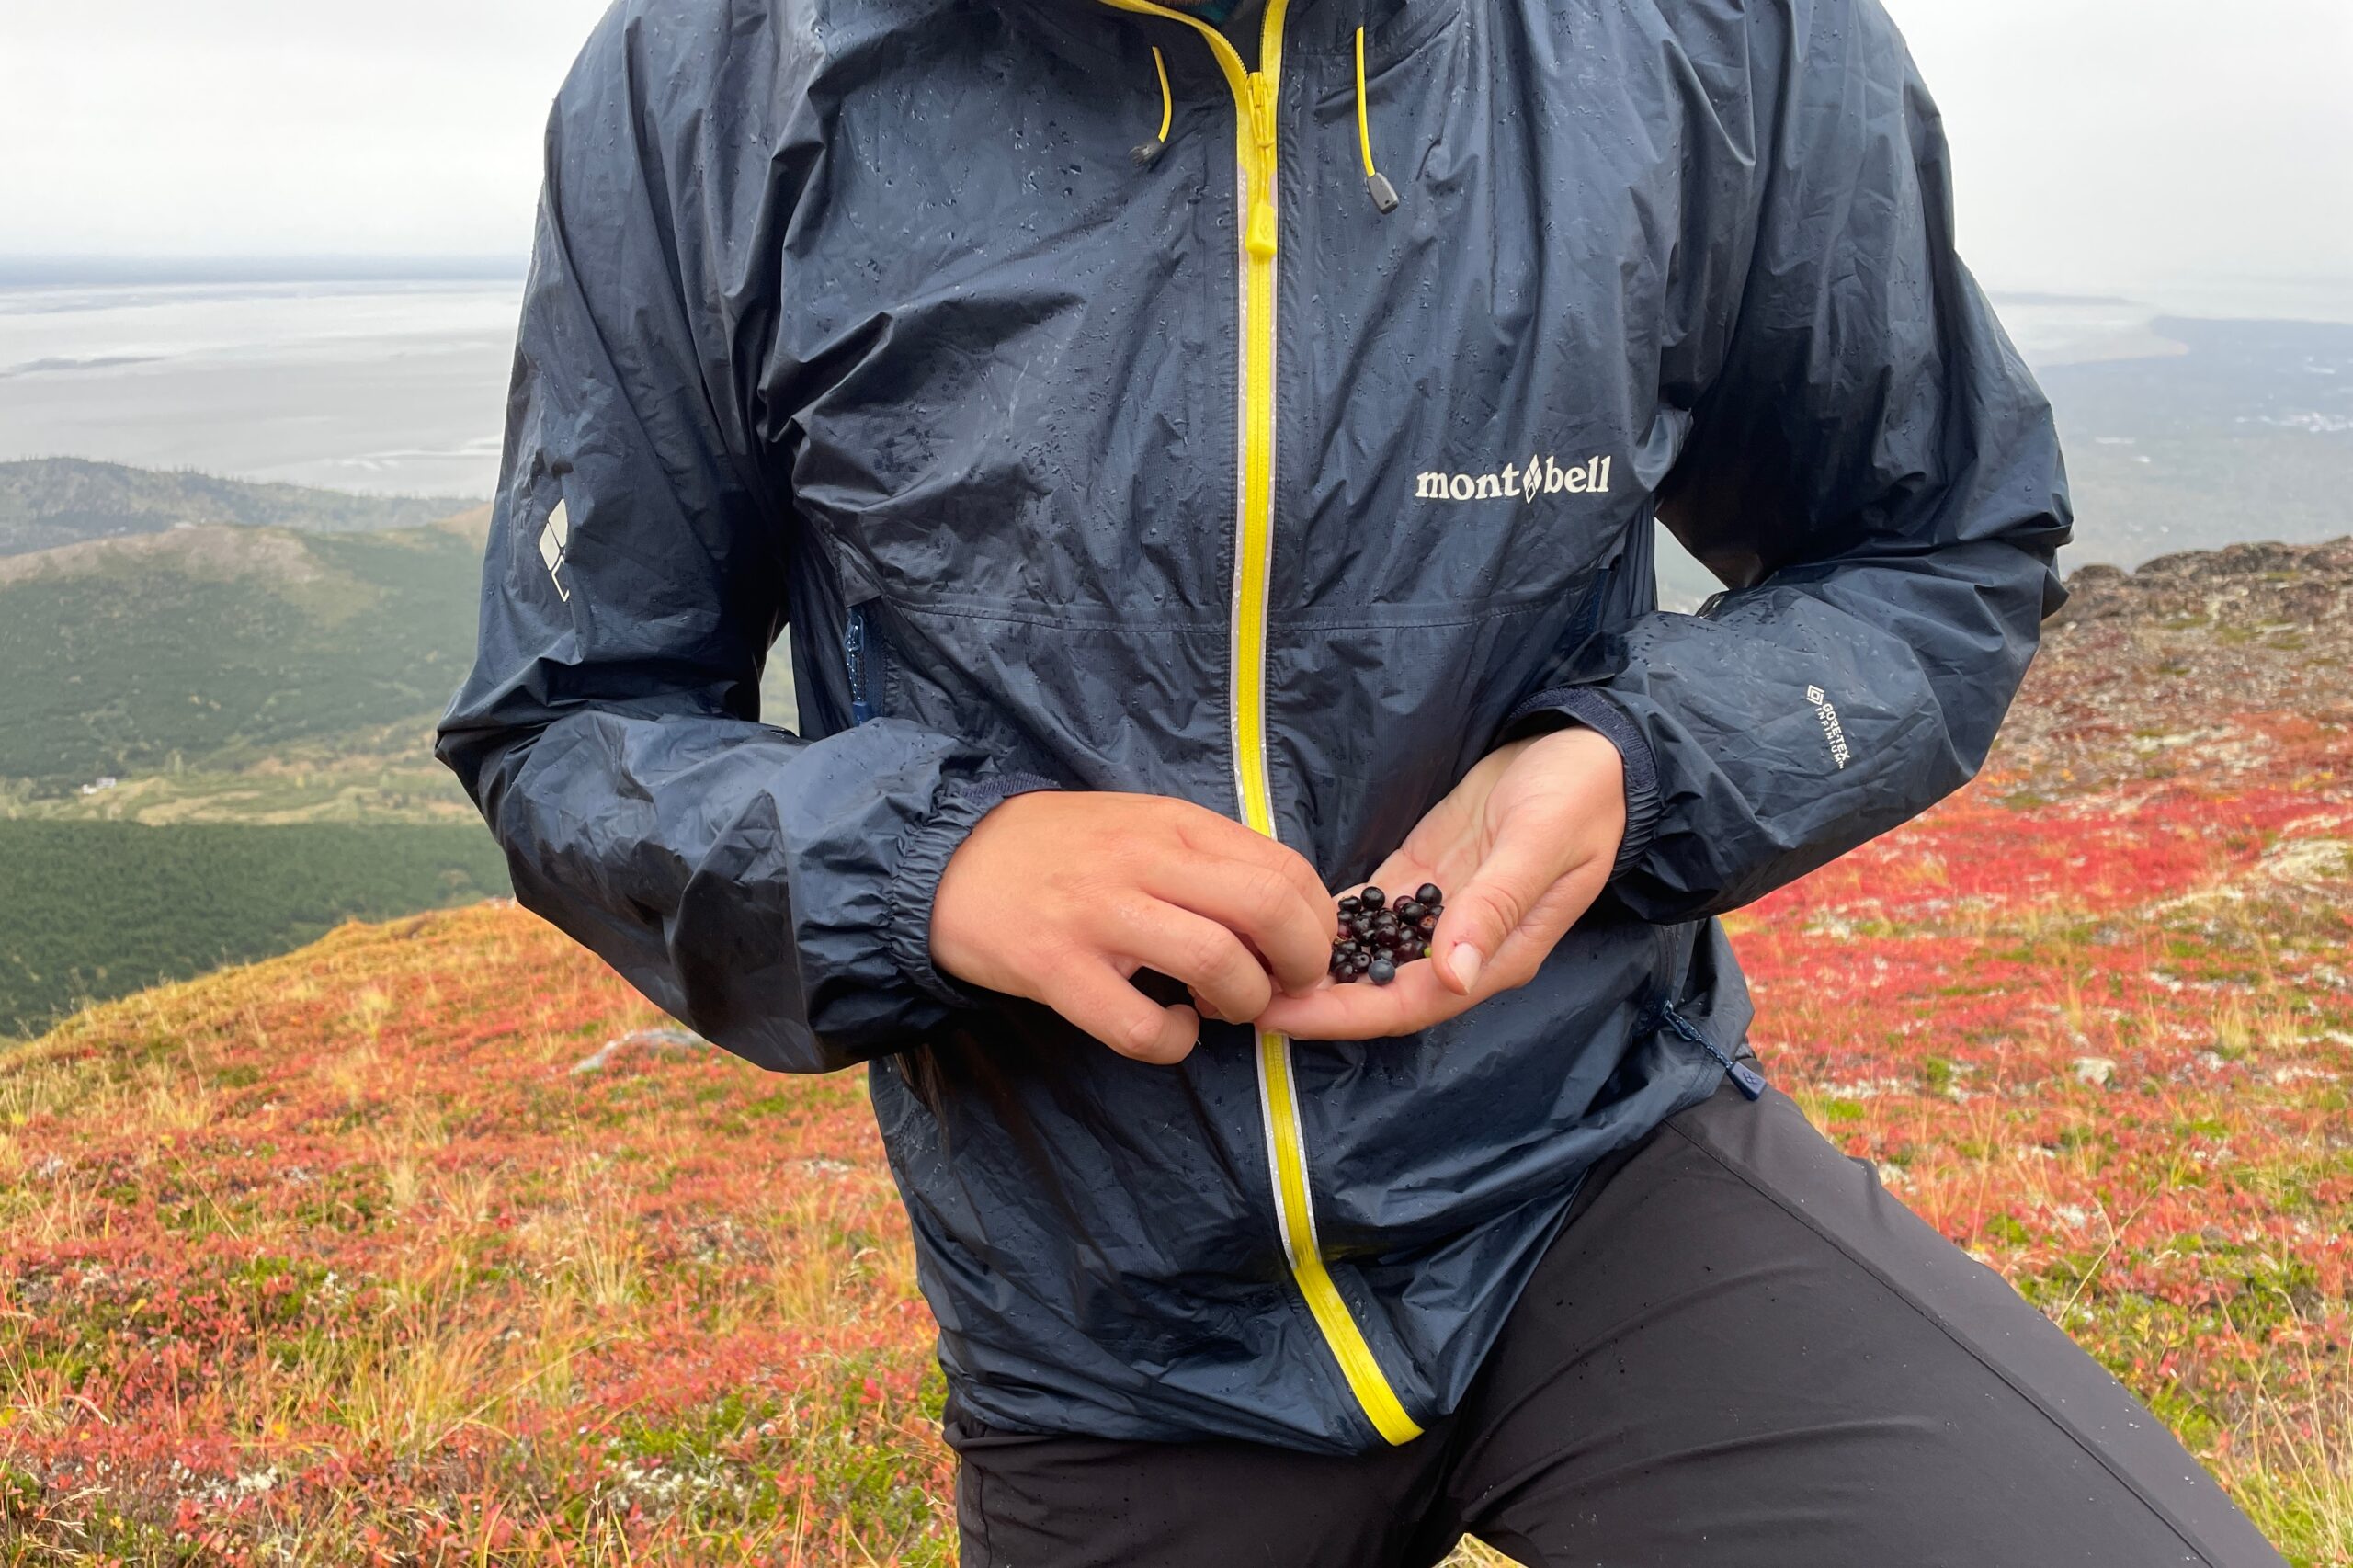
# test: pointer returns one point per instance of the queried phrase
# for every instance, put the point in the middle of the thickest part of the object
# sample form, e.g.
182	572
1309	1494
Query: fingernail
1466	964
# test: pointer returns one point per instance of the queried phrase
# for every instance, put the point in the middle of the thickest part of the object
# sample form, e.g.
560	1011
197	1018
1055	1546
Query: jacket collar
1092	31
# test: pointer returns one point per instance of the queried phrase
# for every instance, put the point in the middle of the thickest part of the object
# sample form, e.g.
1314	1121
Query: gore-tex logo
1832	730
1521	481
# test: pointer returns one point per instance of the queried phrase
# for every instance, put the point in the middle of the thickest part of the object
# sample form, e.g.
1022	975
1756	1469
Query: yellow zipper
1255	103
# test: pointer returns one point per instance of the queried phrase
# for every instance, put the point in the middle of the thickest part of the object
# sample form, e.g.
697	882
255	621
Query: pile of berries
1376	935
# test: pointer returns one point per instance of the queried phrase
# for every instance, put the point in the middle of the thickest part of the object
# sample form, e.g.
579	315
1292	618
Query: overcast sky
2183	150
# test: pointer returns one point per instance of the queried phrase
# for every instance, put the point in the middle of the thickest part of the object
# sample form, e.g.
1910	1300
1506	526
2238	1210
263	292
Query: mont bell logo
554	540
1523	481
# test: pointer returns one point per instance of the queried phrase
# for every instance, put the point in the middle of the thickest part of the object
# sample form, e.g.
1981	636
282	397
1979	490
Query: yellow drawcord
1376	184
1153	148
1168	103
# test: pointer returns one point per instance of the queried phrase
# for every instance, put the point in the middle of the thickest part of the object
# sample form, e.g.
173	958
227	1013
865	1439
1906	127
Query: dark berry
1351	904
1427	894
1372	899
1382	972
1425	925
1406	910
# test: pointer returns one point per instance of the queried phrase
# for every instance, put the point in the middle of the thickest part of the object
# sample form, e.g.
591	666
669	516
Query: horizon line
65	268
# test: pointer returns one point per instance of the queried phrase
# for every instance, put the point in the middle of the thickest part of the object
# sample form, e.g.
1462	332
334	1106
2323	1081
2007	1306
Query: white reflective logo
554	540
1831	731
1519	481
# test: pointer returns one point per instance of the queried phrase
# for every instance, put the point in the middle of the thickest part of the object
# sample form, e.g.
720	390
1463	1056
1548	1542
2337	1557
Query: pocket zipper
1598	602
1749	1080
861	706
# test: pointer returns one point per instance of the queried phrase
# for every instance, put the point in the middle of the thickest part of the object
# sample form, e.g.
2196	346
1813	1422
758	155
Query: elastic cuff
1589	706
924	850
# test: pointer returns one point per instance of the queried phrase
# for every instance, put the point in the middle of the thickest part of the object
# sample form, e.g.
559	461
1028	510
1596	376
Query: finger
1206	833
1206	956
1415	1001
1291	928
1502	894
1524	951
1099	999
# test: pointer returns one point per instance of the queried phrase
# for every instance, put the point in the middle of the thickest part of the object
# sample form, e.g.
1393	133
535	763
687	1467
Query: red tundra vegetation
377	1253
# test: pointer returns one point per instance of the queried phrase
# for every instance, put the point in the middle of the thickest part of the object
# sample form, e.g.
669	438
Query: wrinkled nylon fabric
853	321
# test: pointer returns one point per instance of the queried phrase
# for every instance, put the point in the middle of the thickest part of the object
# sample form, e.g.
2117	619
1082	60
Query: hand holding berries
1063	896
1523	846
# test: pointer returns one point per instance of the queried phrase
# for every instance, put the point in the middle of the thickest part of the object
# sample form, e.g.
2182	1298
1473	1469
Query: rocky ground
2187	665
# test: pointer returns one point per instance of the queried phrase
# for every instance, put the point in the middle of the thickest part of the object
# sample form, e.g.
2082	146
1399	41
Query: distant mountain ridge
218	647
48	502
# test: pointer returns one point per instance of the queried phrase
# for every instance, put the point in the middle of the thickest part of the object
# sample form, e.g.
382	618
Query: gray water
390	388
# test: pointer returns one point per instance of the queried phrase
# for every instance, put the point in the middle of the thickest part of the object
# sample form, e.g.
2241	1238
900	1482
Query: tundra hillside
428	1244
216	702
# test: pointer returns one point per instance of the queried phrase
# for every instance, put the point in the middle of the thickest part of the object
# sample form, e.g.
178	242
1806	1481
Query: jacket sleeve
770	892
1873	472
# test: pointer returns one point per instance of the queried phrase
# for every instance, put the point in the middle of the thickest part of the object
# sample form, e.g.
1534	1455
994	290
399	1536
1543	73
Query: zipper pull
1260	237
1750	1082
854	649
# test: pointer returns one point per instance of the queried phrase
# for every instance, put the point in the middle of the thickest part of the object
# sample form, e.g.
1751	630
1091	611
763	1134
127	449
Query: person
1168	540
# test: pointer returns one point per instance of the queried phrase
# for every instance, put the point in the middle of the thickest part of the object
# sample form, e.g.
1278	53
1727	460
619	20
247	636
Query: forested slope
214	646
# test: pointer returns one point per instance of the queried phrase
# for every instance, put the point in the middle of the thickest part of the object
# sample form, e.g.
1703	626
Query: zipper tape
854	655
1295	1211
1750	1081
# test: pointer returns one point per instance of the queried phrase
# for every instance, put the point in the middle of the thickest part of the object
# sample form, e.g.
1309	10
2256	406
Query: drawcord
1159	143
1376	184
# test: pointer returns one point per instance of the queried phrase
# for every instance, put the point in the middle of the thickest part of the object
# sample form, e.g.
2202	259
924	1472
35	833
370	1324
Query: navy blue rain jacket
856	321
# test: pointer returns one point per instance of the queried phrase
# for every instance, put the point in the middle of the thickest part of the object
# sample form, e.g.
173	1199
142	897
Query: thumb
1478	919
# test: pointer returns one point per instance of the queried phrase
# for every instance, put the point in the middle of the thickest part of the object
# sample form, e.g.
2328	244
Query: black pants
1740	1351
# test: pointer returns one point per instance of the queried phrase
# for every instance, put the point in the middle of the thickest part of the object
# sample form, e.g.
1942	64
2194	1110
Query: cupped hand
1062	897
1522	848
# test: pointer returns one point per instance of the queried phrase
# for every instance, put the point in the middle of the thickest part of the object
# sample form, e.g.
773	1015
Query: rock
662	1039
2095	1070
